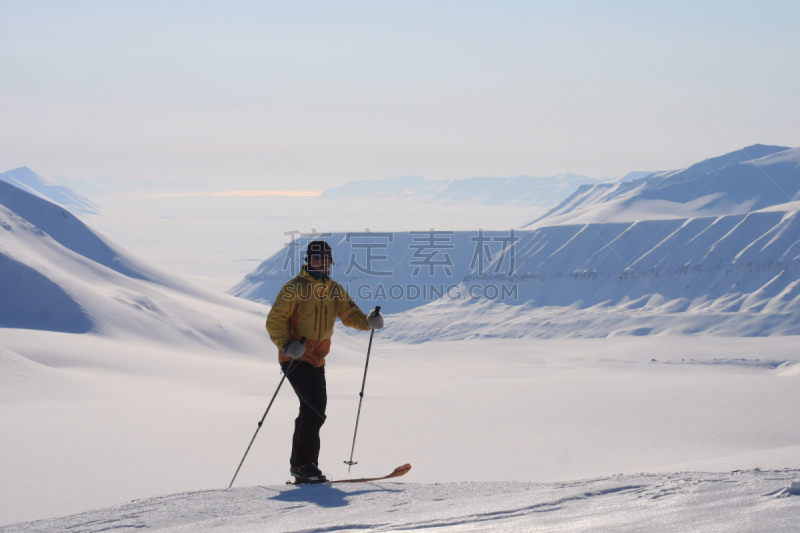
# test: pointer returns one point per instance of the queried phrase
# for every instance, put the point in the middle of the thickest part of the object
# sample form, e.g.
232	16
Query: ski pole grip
377	309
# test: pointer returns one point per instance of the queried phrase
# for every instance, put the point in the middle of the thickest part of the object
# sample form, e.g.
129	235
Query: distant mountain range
75	193
522	190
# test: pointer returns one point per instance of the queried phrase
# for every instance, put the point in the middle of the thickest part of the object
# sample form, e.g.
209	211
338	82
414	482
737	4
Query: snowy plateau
640	375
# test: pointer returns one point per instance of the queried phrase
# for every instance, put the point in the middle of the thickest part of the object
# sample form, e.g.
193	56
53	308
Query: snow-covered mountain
62	276
735	270
406	269
26	179
746	180
733	275
522	190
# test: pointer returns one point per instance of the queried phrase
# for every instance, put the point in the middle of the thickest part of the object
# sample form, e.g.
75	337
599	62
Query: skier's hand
375	319
295	349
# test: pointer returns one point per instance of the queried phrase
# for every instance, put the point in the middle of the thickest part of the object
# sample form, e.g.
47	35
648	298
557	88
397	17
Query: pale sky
368	90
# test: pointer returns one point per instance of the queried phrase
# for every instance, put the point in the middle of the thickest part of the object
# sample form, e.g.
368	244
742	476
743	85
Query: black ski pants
308	383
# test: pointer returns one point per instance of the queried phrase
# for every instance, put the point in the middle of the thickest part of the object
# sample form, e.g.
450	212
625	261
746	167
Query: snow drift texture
749	501
714	247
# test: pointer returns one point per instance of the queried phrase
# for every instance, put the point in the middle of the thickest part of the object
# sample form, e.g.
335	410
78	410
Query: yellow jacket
308	307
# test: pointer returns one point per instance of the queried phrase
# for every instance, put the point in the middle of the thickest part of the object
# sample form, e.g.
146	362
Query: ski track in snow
738	501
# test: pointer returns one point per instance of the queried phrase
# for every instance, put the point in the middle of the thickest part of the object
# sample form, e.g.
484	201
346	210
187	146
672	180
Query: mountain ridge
519	190
28	180
65	277
733	183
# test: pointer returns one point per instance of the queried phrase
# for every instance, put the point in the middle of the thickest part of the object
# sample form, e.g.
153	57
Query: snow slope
742	501
732	275
746	180
65	277
736	274
132	419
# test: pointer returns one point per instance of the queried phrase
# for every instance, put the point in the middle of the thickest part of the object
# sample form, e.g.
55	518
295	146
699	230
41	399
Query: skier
300	324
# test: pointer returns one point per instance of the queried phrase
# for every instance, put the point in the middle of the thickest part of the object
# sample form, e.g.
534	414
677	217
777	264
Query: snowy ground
131	420
740	501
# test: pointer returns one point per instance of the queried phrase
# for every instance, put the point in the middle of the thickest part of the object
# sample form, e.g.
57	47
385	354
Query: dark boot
309	473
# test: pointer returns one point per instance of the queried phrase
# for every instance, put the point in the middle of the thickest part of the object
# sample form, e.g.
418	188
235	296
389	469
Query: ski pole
261	422
350	463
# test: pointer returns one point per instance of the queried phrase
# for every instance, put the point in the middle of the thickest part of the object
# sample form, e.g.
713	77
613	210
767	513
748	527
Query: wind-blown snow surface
136	419
742	501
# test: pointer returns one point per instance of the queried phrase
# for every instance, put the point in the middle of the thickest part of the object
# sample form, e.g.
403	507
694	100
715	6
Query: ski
399	471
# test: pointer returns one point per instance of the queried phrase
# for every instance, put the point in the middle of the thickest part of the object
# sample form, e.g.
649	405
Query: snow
662	399
69	278
30	181
130	419
732	275
741	501
750	179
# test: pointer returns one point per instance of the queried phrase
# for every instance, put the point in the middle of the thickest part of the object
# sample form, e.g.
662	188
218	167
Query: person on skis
300	324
